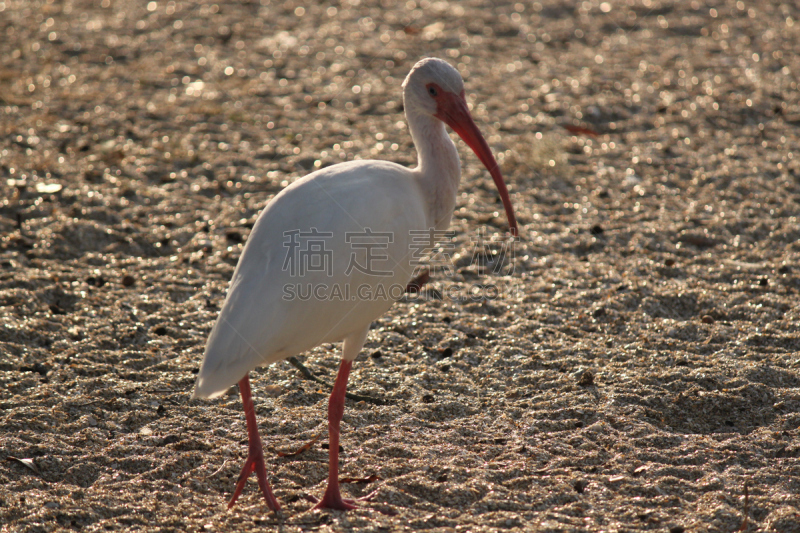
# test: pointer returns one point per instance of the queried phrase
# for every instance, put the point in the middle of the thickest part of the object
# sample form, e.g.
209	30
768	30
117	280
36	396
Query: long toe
334	500
245	473
266	490
336	503
255	462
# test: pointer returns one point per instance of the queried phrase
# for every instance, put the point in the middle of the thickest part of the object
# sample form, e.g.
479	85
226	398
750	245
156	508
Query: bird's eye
432	91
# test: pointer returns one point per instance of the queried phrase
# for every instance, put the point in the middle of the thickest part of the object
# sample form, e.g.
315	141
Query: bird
332	252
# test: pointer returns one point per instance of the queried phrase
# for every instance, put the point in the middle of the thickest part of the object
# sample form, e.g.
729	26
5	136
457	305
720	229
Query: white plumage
264	318
257	325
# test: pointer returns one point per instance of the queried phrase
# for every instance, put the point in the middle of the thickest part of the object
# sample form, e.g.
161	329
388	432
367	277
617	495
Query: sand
633	365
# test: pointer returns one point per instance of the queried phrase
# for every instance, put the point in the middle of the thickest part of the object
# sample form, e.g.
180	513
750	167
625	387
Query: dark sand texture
637	368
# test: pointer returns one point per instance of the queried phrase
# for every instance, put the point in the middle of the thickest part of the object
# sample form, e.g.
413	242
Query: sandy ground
636	368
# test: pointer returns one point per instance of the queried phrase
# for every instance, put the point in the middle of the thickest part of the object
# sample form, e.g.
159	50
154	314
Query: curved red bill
452	110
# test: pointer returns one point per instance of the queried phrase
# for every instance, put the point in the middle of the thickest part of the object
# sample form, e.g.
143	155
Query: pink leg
255	454
333	498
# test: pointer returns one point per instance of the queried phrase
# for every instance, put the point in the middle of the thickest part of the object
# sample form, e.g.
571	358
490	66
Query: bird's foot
335	503
255	462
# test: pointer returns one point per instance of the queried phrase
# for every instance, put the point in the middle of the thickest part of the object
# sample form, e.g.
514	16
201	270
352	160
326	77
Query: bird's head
432	84
435	88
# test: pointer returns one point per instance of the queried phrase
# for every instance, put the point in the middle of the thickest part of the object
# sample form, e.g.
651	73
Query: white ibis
328	254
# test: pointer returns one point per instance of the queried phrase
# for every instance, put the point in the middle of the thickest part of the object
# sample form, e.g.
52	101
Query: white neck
438	170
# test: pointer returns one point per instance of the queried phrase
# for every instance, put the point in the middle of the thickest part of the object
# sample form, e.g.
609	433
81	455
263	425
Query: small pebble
48	188
128	280
273	390
234	236
586	379
98	281
707	319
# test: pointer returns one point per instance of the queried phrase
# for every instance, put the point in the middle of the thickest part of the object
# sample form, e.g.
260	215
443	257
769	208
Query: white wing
277	306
